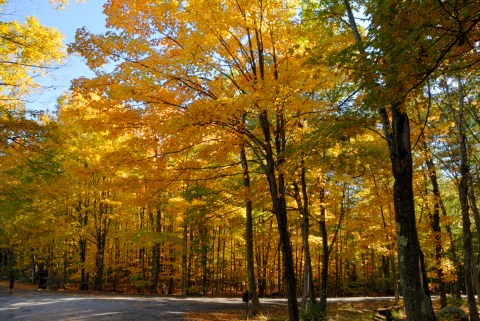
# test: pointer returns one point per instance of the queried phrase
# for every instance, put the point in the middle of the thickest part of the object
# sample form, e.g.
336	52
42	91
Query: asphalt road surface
25	305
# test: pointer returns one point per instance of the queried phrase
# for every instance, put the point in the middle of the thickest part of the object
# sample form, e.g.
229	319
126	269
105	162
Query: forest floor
28	303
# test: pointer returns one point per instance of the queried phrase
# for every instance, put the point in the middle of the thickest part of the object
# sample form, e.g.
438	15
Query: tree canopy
281	147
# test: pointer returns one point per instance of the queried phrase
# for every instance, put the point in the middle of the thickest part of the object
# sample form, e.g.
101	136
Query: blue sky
76	15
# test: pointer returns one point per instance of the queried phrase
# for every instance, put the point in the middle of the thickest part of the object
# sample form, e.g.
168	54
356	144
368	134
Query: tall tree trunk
249	235
308	290
273	154
463	194
276	182
190	262
204	257
185	284
263	256
387	259
435	224
308	271
82	242
287	254
326	254
99	260
101	223
101	239
83	255
418	303
453	248
327	248
65	267
156	252
476	216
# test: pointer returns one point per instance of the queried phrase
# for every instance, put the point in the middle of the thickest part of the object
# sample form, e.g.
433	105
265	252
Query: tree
248	62
400	45
453	105
302	200
252	288
92	158
28	50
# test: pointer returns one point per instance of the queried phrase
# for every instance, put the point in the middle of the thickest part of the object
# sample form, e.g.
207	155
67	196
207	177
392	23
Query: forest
298	149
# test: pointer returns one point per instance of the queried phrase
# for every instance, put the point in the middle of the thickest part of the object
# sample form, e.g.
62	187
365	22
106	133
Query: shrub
451	314
455	301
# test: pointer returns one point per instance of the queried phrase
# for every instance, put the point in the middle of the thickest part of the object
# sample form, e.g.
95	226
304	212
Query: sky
76	15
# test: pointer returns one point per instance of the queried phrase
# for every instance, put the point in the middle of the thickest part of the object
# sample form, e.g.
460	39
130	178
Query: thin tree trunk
83	221
453	248
463	194
386	259
308	271
101	239
218	271
276	182
327	248
185	261
224	245
204	257
99	260
435	224
156	252
101	223
326	253
249	235
476	216
280	289
83	254
308	290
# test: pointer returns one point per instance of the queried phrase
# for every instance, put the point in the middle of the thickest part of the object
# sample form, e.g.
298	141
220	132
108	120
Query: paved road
25	305
52	305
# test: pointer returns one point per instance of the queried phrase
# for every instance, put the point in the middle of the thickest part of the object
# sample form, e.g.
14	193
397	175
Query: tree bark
476	216
387	259
185	284
155	253
463	194
101	223
327	248
101	239
326	254
453	249
276	182
249	235
204	257
418	304
435	224
308	290
83	254
82	242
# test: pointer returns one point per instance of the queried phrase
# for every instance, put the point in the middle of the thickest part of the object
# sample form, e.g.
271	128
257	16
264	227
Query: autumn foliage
334	147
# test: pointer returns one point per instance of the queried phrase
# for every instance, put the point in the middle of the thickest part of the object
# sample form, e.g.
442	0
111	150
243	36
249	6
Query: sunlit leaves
27	50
